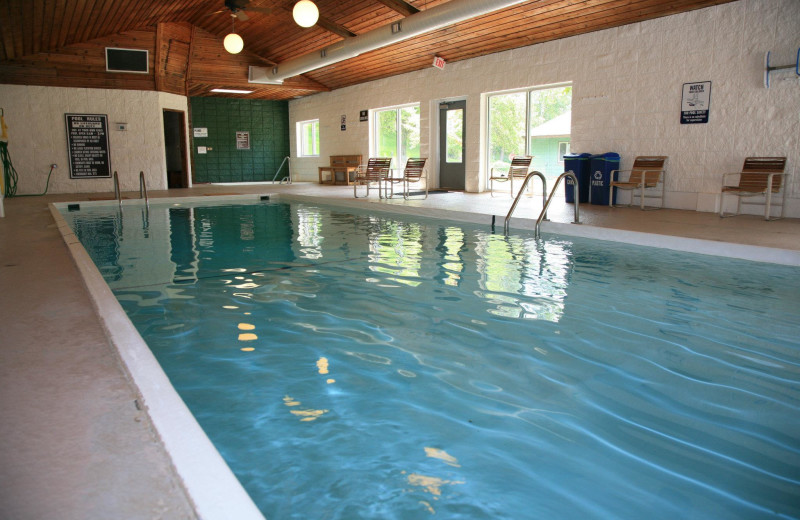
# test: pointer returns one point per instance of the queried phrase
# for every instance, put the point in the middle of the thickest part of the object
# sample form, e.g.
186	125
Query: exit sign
438	62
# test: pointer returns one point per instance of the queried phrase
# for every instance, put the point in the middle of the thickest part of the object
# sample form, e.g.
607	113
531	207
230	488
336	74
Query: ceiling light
233	43
305	13
231	91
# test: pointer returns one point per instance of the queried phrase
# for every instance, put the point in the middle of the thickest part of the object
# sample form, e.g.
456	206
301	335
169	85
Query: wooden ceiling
61	42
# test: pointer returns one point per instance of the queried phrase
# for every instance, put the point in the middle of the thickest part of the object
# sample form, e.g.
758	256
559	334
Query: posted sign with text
87	143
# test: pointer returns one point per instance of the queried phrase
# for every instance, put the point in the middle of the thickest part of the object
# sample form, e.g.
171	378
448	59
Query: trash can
579	165
601	166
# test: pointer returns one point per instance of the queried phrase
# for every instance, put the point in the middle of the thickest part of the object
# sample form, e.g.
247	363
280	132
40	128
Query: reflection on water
476	375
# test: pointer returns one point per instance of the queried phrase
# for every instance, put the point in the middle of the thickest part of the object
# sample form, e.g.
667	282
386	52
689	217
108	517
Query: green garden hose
9	173
10	176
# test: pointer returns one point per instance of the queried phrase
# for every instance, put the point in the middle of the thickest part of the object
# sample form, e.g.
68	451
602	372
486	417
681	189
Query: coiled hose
10	176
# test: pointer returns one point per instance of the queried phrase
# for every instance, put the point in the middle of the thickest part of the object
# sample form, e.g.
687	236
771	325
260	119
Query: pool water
356	366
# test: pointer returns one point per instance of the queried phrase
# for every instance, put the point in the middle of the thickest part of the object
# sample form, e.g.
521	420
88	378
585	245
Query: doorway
452	134
175	149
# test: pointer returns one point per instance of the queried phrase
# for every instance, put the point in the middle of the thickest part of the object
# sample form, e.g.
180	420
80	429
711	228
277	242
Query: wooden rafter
400	6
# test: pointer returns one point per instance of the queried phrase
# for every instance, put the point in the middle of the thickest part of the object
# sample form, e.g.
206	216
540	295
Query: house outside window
534	121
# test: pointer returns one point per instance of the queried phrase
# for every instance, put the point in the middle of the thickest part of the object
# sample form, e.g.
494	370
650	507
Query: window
308	138
534	121
563	149
396	133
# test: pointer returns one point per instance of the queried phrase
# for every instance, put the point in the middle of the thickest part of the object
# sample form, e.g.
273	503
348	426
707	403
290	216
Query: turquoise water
353	366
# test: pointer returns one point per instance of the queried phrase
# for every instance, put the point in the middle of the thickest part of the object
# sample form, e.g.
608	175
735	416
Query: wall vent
135	61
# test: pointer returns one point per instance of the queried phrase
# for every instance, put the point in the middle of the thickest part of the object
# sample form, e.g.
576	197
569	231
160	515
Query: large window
534	121
308	138
396	133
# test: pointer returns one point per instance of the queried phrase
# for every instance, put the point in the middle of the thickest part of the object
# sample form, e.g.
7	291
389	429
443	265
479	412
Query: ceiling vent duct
423	22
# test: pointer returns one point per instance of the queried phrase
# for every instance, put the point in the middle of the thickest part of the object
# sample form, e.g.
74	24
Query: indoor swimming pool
354	365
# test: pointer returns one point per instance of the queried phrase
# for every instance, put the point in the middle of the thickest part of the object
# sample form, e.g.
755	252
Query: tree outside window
397	133
308	138
520	124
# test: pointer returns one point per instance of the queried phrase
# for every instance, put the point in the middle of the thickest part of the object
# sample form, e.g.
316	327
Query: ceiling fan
237	9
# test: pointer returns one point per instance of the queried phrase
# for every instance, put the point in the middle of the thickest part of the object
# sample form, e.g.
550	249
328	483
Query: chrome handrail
521	191
117	192
143	189
279	170
543	214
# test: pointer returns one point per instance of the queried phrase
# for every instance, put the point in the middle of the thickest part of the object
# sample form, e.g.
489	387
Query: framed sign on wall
87	145
695	102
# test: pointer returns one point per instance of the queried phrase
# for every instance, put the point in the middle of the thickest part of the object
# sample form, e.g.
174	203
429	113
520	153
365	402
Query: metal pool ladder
117	193
519	194
143	189
543	214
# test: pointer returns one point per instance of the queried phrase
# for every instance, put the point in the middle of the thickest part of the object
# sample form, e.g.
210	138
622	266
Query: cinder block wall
37	135
627	85
267	123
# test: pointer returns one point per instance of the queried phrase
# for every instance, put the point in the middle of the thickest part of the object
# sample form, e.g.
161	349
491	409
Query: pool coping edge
210	484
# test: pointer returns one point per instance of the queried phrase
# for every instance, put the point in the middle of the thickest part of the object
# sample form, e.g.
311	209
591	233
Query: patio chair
374	172
415	172
760	176
518	169
647	174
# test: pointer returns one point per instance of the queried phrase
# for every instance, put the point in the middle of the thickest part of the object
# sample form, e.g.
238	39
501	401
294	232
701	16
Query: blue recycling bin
579	165
600	167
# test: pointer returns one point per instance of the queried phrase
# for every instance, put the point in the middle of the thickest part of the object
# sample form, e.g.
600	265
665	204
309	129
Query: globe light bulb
305	13
233	43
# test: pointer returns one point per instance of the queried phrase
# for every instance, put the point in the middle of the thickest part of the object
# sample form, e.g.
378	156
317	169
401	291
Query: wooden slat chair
518	169
760	176
647	174
414	173
374	172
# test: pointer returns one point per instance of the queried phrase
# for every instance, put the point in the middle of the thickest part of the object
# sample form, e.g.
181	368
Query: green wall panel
268	124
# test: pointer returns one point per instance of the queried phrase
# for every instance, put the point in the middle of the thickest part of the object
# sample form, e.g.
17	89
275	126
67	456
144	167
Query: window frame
375	128
566	151
528	91
301	125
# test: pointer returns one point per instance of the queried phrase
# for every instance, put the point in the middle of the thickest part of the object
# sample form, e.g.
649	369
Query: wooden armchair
415	172
760	177
647	173
518	169
374	172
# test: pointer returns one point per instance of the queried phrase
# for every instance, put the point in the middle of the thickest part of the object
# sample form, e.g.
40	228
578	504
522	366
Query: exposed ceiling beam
331	26
400	6
335	28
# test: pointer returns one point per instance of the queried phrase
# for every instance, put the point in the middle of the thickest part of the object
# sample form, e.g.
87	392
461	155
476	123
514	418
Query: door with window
452	168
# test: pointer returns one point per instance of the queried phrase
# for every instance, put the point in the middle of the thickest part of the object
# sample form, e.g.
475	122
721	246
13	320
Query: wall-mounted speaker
127	60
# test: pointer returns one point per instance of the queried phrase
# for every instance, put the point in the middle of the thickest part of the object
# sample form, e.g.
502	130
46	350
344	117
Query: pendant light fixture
233	43
305	13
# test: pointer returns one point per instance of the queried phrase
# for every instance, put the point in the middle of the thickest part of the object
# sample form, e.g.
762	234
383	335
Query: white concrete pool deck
75	445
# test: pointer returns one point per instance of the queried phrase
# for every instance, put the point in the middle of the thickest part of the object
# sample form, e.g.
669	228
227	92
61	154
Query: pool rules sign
87	143
695	102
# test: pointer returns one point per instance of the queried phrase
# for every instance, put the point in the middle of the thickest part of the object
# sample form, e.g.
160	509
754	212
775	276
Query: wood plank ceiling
61	42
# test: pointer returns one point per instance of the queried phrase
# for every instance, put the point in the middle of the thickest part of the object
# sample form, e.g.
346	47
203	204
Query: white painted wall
37	135
626	98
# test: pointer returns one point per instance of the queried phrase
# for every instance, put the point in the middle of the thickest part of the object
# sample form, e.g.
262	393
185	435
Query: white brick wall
626	98
37	135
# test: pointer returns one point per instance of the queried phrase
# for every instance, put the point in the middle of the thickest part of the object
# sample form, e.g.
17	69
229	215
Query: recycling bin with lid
579	165
600	167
